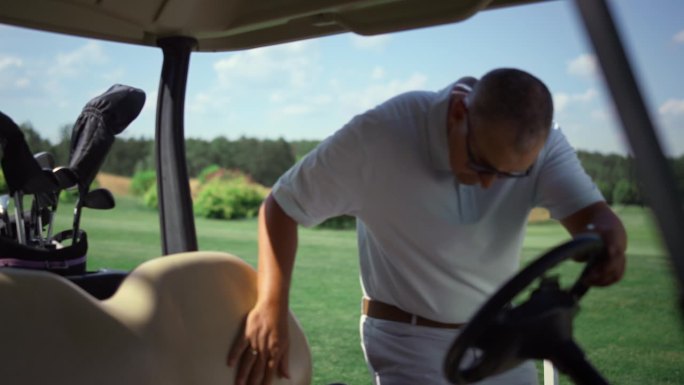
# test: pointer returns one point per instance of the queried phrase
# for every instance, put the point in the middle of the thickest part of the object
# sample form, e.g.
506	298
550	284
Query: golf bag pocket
59	259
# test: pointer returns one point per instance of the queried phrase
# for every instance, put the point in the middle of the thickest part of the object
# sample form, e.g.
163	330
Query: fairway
631	332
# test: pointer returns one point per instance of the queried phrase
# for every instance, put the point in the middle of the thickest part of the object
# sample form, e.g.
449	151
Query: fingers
284	367
258	350
610	269
275	362
236	351
257	368
250	368
268	374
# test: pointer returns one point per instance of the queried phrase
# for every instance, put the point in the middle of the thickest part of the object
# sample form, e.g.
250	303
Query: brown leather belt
381	310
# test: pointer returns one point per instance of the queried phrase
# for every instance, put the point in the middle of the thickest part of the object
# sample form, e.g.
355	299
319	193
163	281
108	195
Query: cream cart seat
172	321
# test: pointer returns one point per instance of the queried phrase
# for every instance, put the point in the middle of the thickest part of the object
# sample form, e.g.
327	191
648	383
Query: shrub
3	183
207	172
343	222
150	198
626	193
141	182
229	199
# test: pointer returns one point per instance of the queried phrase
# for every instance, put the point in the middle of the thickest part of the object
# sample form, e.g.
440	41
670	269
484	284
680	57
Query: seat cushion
172	321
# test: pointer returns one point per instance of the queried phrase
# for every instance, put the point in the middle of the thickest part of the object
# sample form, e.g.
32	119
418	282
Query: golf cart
179	28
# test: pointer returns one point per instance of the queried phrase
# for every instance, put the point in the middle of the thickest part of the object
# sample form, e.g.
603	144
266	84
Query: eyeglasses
486	169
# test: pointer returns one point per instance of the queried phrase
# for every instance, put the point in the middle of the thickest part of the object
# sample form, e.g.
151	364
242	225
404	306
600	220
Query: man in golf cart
441	185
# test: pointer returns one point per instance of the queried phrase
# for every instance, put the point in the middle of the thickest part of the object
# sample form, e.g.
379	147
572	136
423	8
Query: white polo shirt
427	244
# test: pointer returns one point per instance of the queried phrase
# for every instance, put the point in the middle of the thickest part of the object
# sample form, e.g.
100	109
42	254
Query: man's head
499	128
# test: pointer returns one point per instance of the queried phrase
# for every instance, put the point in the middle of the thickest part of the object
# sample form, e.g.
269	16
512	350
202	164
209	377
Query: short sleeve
563	187
327	182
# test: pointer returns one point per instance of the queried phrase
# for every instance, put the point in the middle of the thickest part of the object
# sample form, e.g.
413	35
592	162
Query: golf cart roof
224	25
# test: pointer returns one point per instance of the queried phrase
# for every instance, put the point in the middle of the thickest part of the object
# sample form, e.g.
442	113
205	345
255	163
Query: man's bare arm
262	350
601	219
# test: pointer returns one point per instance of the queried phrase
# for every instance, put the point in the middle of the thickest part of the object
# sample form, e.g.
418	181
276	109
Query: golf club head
21	169
46	200
45	160
99	199
102	118
66	177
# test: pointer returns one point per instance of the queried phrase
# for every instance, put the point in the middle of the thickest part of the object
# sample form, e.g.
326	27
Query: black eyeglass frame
485	169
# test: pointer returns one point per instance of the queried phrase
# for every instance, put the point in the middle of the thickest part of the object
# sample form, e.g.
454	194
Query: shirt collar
437	129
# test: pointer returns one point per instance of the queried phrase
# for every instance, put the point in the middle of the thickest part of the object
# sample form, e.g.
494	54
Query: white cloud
296	109
9	61
22	83
374	94
277	96
71	64
150	102
670	120
672	107
11	68
679	37
203	102
583	66
378	73
561	100
604	115
377	42
293	64
279	78
322	99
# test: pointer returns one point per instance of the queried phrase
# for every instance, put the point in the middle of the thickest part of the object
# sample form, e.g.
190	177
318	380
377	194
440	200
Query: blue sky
309	89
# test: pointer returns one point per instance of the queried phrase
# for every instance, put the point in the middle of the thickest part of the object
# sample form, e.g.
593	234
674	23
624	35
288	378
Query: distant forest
264	160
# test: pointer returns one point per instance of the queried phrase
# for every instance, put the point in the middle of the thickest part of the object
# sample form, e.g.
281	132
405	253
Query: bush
141	182
3	184
208	171
150	198
626	193
229	199
343	222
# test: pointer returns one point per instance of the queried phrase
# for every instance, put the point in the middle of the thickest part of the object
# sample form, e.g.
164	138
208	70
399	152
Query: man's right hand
261	350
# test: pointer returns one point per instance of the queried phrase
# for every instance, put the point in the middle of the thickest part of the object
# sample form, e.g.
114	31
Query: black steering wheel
502	336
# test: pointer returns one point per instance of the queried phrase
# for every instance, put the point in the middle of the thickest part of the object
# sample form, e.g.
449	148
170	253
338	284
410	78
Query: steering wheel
502	336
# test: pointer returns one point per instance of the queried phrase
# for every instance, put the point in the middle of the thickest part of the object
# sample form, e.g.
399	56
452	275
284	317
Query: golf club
102	118
98	199
21	169
22	172
4	216
67	178
45	160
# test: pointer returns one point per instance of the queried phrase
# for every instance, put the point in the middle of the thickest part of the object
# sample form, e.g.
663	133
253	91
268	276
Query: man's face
480	155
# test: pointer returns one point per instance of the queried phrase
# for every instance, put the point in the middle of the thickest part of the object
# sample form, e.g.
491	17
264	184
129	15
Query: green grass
630	331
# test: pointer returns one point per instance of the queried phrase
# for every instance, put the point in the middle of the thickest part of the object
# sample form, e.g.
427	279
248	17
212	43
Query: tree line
264	160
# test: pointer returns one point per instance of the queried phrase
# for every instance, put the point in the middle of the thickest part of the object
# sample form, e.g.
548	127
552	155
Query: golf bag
67	260
22	244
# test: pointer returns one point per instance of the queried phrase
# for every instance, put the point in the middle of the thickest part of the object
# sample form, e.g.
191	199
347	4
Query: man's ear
467	80
457	108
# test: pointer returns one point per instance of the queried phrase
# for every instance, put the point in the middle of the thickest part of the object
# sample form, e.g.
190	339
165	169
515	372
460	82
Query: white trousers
405	354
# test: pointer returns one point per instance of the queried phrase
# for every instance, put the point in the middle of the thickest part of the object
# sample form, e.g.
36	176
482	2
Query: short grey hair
514	96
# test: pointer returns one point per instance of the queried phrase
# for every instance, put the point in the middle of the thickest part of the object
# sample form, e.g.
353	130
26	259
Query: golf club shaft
19	217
